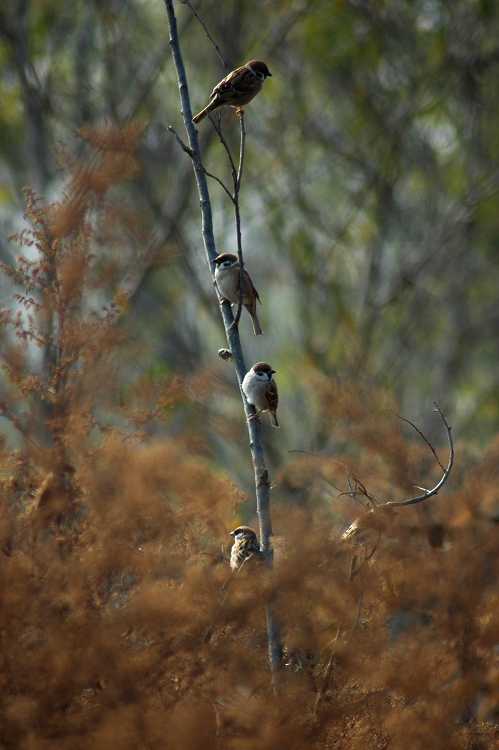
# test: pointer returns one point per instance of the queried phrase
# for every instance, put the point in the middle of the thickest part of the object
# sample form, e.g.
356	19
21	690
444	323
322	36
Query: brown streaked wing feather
272	397
224	89
253	546
250	84
231	87
249	287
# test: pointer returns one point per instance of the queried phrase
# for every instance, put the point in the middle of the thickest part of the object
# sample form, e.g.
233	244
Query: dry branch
443	479
261	475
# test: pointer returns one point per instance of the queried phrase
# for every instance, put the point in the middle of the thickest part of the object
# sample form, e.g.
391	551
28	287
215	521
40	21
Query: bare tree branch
360	489
237	186
430	446
237	175
261	475
443	479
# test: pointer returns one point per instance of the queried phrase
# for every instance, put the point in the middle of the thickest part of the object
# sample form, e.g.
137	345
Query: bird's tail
257	328
204	113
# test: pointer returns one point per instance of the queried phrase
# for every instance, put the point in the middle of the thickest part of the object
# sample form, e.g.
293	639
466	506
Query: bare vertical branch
261	475
241	154
237	177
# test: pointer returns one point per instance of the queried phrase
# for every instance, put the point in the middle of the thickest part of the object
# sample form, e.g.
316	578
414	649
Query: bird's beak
272	372
269	74
231	533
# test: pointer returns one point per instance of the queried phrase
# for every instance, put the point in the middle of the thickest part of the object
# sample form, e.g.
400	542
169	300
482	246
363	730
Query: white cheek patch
257	74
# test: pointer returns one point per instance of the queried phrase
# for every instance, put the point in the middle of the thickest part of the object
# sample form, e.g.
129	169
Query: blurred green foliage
370	192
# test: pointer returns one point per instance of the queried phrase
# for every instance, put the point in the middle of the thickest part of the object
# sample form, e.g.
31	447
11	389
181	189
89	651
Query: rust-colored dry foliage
121	624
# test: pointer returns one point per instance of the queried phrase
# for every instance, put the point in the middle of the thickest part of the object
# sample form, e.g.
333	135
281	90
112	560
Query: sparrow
245	546
227	278
369	525
366	532
304	660
225	354
53	499
236	89
260	390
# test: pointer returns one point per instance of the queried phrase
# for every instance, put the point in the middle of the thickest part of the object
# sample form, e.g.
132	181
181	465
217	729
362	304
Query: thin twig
241	154
237	177
223	141
181	143
443	479
338	489
220	182
197	158
430	446
412	500
215	45
237	214
351	491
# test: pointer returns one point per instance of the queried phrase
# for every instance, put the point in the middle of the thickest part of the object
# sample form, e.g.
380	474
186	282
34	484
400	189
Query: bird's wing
253	546
238	83
272	397
249	287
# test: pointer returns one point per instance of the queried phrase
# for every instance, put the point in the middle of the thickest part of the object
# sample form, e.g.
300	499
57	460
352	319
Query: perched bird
304	660
225	354
236	89
260	390
245	545
53	499
227	278
368	527
366	532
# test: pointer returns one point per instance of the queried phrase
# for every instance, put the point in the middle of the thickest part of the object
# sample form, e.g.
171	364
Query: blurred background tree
370	229
370	200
